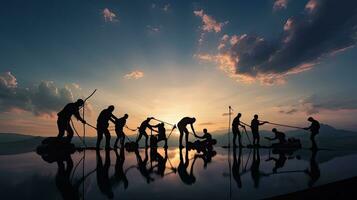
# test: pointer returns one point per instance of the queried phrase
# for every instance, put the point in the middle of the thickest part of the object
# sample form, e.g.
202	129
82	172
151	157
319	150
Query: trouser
256	138
235	134
100	132
143	133
120	136
63	125
183	130
313	142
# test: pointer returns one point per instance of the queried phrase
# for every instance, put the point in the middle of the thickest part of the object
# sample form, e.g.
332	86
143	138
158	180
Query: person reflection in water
279	162
142	165
255	168
187	178
119	173
103	180
314	171
236	166
161	161
63	180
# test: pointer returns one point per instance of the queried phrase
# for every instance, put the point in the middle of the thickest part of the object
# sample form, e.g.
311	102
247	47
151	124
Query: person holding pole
255	129
314	129
235	129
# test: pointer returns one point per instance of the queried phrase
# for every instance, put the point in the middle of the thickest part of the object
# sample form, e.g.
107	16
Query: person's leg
116	141
122	139
99	137
181	135
139	137
186	137
258	139
234	138
312	137
69	132
165	146
146	139
239	139
107	139
61	128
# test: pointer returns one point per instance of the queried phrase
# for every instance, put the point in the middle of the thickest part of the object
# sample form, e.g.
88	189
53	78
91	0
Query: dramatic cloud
44	99
134	75
324	28
108	15
209	24
280	4
314	104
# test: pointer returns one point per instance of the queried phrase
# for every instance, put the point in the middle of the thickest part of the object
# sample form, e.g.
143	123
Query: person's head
274	130
205	130
239	115
111	108
80	102
149	118
255	116
310	119
162	124
194	119
126	116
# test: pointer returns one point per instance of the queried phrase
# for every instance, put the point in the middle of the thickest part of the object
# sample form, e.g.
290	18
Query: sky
285	60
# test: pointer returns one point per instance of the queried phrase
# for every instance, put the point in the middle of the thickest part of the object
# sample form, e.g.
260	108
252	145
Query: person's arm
113	118
308	128
261	123
193	129
78	116
241	124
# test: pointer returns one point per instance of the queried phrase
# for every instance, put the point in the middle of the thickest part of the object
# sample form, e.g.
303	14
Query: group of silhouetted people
280	136
106	116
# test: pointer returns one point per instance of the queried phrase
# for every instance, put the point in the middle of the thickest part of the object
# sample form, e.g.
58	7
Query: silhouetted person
119	173
142	130
119	130
182	126
236	166
280	162
206	156
254	125
64	118
280	136
186	177
63	179
207	137
235	129
314	129
314	171
102	126
161	133
142	166
255	168
103	180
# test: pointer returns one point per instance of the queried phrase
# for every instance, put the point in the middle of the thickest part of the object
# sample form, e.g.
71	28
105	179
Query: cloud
206	124
314	104
109	16
280	4
134	75
209	23
166	7
153	29
323	28
43	99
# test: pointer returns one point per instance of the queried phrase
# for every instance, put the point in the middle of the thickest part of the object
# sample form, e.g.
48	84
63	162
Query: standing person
182	126
314	129
102	125
161	130
142	130
235	129
64	118
119	126
254	125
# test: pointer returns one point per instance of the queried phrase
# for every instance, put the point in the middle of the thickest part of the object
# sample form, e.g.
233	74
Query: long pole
229	153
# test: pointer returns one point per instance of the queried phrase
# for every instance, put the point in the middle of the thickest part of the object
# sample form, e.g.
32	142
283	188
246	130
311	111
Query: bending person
182	126
102	126
314	129
64	118
142	130
119	126
235	129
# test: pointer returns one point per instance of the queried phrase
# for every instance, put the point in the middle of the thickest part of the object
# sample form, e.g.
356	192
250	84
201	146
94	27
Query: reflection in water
103	180
314	171
119	173
156	165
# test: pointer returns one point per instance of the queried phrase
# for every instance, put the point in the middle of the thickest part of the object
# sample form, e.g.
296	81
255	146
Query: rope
75	130
163	122
245	130
284	125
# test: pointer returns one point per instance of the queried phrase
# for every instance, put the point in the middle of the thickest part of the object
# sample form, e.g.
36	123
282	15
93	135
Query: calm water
130	175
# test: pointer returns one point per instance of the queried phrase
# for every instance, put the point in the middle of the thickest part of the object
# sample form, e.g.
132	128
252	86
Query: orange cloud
108	15
134	75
